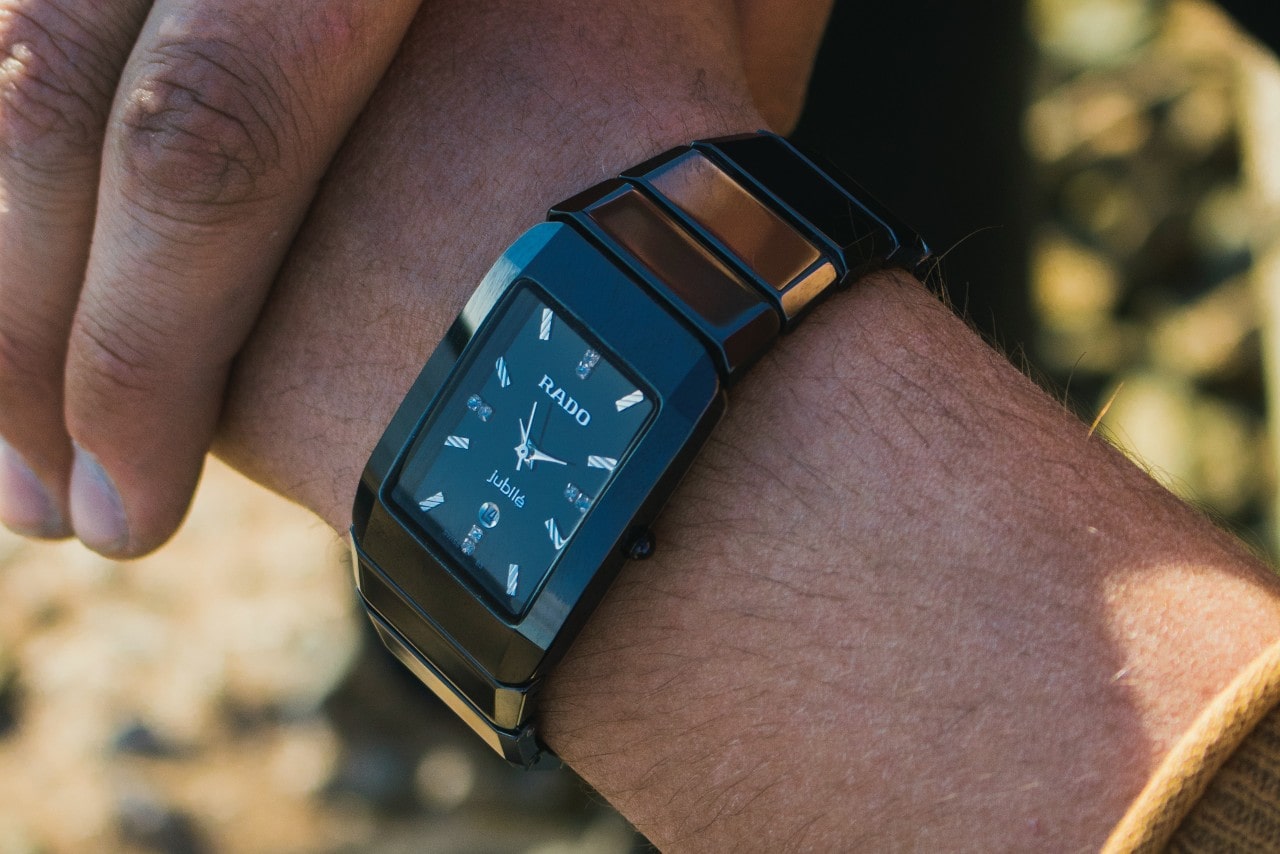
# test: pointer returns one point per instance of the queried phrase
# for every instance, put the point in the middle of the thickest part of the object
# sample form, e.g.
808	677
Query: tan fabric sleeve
1219	788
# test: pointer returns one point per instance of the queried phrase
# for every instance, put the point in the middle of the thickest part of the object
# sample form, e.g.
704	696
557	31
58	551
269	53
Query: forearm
904	598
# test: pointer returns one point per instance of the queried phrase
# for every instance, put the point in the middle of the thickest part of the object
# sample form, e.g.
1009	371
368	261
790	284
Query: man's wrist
896	547
434	242
902	592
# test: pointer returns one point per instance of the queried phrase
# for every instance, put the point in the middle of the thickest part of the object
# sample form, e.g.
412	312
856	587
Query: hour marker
504	378
472	540
513	578
556	540
457	442
544	331
577	497
476	404
429	504
606	463
587	364
630	400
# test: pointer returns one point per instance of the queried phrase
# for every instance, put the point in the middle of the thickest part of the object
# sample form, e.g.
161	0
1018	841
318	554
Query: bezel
660	349
399	492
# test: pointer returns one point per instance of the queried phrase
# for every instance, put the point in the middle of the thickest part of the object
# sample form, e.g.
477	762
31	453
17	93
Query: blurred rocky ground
225	696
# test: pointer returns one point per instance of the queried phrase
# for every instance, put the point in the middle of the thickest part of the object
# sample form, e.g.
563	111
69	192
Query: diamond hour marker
473	539
587	364
577	497
476	404
429	504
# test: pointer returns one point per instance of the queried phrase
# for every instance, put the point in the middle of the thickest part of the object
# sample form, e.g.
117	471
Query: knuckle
201	129
27	370
112	363
57	78
335	29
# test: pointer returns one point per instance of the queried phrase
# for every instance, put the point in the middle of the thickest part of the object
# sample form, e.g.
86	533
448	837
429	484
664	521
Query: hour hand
537	456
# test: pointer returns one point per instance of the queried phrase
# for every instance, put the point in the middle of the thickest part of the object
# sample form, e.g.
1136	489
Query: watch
534	451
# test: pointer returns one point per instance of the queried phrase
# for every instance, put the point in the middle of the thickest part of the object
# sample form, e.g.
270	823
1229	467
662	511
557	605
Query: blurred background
1102	180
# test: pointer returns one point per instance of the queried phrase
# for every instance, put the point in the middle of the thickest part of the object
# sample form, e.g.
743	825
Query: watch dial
530	436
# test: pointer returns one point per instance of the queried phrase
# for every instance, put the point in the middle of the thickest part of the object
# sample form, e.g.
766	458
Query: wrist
898	548
868	524
672	326
435	238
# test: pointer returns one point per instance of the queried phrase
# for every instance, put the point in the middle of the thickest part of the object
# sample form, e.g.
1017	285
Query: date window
488	515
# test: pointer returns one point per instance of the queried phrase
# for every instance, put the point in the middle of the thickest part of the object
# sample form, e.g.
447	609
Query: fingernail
97	514
26	507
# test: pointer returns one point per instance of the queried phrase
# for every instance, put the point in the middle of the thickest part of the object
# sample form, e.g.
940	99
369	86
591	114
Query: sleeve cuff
1219	788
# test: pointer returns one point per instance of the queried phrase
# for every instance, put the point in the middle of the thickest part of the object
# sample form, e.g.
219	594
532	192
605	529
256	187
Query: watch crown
641	544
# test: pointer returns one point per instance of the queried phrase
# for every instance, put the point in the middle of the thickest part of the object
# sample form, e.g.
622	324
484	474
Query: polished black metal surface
486	653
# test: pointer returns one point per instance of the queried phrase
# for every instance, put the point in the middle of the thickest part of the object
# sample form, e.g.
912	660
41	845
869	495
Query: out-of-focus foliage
1144	277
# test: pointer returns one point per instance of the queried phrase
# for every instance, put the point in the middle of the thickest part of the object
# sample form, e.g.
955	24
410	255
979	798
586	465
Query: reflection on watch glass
530	436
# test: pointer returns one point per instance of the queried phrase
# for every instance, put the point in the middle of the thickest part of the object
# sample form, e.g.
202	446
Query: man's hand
155	161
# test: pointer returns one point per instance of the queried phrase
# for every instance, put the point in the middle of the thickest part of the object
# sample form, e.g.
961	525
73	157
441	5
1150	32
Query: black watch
551	424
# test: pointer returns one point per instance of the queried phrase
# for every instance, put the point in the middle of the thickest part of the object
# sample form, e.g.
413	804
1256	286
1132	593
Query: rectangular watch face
535	423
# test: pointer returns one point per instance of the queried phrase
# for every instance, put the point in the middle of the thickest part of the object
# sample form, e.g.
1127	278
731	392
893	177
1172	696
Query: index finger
61	60
225	118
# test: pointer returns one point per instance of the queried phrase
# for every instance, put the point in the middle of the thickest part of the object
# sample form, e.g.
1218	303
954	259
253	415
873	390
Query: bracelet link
822	201
790	270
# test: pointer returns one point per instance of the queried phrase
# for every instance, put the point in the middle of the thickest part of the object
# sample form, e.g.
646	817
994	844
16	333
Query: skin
949	621
155	161
779	42
902	601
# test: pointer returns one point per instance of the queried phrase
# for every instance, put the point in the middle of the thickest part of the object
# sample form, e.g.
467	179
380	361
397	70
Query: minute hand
522	450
